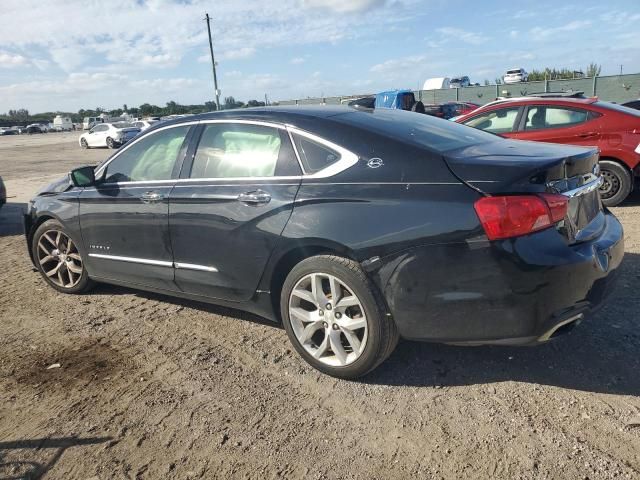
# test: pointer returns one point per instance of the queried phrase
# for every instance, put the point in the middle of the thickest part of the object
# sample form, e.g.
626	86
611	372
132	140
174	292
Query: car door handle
151	197
587	134
258	197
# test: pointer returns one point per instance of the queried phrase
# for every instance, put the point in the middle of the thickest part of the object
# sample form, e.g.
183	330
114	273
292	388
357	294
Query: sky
63	55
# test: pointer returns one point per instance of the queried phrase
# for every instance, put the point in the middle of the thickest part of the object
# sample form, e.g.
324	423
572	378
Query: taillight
512	216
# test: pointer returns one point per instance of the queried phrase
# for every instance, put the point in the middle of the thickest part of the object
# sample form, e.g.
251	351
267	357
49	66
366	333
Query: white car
516	75
144	124
112	135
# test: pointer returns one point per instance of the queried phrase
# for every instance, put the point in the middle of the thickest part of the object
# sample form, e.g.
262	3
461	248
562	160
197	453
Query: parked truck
62	124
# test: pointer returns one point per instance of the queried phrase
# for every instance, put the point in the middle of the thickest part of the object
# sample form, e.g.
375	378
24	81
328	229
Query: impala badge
375	162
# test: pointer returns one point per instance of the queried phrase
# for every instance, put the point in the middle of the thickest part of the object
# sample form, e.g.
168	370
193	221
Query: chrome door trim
193	266
144	261
158	263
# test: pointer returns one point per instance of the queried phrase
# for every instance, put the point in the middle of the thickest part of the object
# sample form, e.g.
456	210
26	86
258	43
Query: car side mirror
83	177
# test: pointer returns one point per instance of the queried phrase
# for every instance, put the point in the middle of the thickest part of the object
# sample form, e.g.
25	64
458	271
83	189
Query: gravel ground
150	387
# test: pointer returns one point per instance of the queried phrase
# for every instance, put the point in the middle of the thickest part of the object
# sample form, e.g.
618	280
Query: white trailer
62	124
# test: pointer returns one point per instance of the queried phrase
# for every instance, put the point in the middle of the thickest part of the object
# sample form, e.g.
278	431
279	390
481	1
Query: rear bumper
513	292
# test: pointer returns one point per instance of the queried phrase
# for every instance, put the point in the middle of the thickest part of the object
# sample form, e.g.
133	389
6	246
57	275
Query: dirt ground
150	387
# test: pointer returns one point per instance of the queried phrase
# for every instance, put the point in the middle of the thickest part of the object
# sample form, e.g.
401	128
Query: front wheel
58	259
616	184
334	317
110	143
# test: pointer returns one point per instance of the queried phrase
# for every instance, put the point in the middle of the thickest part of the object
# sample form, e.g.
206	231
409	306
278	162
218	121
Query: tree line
22	115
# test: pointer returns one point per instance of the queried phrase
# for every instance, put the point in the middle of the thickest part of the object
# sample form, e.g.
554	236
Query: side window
554	117
151	158
314	156
236	150
496	121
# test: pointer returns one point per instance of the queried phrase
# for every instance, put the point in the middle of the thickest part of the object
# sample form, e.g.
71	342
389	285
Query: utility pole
213	62
620	69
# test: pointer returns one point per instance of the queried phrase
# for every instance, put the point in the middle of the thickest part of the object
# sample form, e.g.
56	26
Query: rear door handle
257	197
151	197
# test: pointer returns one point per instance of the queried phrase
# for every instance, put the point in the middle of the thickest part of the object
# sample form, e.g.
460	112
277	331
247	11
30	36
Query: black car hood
62	184
519	166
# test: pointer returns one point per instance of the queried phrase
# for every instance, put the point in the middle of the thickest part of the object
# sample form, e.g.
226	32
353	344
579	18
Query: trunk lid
512	167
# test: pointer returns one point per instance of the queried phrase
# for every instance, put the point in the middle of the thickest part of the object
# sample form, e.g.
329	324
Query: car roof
275	114
541	100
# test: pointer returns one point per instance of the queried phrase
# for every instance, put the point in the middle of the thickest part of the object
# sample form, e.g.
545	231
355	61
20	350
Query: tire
51	240
418	107
110	143
617	183
84	144
371	335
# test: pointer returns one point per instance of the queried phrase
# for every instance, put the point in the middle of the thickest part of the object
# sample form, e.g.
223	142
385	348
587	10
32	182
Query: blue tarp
391	99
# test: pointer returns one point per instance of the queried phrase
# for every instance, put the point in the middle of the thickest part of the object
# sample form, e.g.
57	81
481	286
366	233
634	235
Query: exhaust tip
562	328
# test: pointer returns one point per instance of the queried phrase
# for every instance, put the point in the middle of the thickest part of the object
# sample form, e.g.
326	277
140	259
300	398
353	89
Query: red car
463	108
614	129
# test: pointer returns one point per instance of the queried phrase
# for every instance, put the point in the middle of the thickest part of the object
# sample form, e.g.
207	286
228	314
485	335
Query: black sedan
351	227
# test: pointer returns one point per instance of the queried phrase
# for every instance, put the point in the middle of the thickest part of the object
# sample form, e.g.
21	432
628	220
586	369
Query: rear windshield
619	108
424	130
510	72
123	125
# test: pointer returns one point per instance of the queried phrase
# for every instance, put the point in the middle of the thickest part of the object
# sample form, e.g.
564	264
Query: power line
213	62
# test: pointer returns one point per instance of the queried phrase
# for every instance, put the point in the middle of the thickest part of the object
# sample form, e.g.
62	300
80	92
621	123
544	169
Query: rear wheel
334	318
58	258
84	144
111	143
617	183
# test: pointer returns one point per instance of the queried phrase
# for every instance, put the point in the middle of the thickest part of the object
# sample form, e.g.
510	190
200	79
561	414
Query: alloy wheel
59	259
84	143
610	184
110	143
328	319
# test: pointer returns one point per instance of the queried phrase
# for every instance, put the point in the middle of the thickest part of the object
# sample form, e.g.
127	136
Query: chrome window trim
193	266
260	123
251	183
120	151
144	261
347	158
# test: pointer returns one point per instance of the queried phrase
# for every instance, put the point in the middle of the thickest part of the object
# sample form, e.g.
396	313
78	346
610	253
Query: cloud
539	33
242	52
522	14
297	60
463	35
8	60
69	58
398	64
344	6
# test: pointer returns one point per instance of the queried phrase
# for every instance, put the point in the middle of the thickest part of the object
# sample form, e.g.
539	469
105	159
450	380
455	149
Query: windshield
424	130
619	108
